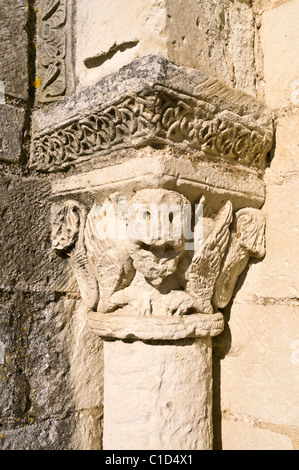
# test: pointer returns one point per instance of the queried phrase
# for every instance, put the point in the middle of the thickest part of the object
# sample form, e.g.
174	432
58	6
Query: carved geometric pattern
159	116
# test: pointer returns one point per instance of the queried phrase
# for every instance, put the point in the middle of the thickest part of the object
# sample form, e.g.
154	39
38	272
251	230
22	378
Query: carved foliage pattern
157	117
52	46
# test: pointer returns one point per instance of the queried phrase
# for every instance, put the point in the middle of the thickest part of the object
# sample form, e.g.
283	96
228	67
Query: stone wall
51	366
259	350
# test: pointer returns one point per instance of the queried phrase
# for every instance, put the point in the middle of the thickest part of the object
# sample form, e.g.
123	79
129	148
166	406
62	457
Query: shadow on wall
221	347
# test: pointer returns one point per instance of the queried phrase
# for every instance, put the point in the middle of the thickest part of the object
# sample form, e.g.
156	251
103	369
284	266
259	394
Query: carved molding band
53	49
160	116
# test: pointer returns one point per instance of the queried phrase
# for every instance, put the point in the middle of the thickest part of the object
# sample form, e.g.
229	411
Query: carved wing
247	239
68	239
205	265
109	258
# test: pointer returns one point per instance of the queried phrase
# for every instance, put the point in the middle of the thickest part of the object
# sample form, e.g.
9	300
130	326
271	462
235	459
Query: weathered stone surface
164	169
279	36
27	261
54	65
11	132
214	36
285	157
256	438
206	35
139	29
48	394
14	48
259	374
163	396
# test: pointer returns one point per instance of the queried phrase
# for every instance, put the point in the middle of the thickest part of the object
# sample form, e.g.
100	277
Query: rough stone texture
281	54
27	262
164	396
216	36
13	46
11	132
276	276
201	34
50	397
48	359
255	438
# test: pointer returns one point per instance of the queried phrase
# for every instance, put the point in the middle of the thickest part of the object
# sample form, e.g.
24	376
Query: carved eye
146	215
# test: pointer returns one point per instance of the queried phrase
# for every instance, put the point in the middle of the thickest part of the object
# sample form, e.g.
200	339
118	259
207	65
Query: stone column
156	136
158	393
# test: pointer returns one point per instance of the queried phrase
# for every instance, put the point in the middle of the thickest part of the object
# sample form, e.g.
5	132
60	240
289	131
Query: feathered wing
206	262
68	238
108	257
247	239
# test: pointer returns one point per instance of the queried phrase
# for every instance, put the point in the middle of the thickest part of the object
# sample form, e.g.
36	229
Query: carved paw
143	305
179	303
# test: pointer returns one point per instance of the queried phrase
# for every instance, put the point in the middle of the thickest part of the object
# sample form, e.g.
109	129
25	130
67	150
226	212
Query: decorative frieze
203	116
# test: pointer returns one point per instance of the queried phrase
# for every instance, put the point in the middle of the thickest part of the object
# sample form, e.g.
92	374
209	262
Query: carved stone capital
158	217
156	285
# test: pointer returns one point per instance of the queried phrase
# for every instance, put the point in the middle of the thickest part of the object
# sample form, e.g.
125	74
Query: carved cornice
204	116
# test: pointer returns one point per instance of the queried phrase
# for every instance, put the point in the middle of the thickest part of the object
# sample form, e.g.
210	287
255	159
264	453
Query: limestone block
27	261
138	29
259	374
215	37
287	144
163	396
13	48
280	39
11	132
238	435
151	102
276	275
191	33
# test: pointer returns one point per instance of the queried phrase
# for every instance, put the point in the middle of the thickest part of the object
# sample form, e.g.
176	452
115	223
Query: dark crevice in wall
31	48
97	61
